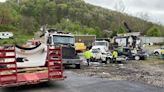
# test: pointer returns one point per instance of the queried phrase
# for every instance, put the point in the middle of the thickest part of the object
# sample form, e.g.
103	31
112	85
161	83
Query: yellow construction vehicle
80	47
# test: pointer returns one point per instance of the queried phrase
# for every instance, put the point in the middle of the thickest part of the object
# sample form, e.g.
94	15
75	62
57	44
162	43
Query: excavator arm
127	27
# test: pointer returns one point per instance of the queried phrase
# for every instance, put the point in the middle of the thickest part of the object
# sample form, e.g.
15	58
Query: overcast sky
2	0
152	10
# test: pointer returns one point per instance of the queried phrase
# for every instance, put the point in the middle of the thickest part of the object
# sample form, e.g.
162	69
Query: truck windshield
63	39
100	43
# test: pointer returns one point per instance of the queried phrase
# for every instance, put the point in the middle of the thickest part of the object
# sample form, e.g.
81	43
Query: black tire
156	53
142	57
100	61
77	66
108	60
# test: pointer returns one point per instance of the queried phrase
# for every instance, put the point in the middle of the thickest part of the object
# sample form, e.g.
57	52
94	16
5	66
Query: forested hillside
27	16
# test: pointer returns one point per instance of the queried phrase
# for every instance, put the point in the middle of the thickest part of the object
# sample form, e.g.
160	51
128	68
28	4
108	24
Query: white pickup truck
158	51
100	52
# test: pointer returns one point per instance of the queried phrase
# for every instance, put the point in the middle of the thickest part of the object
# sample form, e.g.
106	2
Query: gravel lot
150	71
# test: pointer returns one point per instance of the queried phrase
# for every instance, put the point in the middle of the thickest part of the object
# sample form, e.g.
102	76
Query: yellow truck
80	47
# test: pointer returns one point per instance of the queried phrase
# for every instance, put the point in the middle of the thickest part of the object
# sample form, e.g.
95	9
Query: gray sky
152	10
2	0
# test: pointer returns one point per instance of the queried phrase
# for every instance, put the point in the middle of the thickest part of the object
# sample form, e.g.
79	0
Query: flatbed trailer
10	75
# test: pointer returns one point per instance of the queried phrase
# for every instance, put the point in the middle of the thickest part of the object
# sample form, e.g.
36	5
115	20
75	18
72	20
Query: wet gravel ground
152	74
80	83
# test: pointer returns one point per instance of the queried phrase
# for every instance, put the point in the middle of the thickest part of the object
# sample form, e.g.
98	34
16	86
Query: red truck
10	75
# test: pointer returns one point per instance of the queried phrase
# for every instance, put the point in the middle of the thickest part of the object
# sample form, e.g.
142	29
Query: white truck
158	51
67	41
100	51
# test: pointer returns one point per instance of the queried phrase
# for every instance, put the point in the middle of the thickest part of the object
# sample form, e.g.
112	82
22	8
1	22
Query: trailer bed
10	75
30	78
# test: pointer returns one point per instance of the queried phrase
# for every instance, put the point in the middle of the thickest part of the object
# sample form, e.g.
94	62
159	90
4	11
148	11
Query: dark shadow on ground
33	87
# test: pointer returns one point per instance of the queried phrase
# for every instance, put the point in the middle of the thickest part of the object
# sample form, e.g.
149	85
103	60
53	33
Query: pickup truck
99	56
100	51
129	53
158	51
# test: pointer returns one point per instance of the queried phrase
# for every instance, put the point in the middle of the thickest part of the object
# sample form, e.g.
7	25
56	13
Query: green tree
8	15
121	30
83	18
154	31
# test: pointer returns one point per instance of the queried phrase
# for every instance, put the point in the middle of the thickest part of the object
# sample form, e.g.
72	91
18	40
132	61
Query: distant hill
69	15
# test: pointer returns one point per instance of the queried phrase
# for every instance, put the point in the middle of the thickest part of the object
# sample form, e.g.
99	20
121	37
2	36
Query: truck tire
77	66
156	53
100	61
108	60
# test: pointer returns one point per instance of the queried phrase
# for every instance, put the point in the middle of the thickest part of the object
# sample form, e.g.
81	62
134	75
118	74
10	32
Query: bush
121	30
154	31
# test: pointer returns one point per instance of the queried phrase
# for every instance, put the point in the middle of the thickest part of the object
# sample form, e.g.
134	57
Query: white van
6	35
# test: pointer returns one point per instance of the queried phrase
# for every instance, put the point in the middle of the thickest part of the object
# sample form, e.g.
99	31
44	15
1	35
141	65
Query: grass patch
8	28
22	38
19	38
154	60
7	41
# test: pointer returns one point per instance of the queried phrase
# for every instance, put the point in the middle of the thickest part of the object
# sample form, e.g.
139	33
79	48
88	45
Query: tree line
74	16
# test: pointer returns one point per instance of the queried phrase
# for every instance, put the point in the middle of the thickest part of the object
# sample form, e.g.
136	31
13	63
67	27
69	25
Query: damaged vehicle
99	56
132	54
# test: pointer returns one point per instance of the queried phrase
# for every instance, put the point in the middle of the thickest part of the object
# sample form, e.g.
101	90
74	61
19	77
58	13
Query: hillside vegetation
74	16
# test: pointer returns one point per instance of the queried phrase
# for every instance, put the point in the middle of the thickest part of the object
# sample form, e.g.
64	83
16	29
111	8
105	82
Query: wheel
108	60
143	58
100	60
156	53
77	66
137	57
